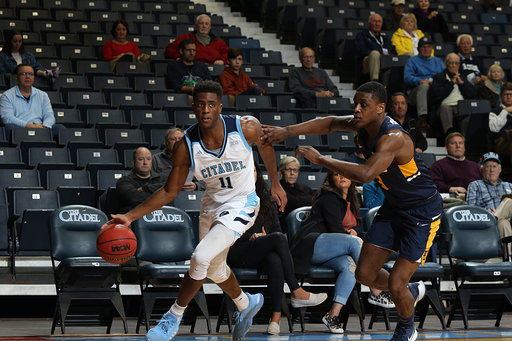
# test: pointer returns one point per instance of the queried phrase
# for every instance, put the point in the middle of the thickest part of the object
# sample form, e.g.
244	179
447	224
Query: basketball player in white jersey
218	150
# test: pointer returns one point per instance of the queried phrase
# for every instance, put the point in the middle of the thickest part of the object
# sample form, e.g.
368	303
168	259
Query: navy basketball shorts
409	231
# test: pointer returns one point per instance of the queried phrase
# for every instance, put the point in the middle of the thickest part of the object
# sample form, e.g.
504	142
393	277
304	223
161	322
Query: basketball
116	243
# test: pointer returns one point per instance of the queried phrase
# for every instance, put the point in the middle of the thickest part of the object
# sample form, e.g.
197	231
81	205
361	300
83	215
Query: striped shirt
484	194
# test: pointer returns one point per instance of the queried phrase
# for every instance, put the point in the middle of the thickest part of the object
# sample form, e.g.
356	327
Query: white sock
177	310
241	301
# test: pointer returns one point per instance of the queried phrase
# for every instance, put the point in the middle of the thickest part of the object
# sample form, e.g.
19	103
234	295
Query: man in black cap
418	73
493	194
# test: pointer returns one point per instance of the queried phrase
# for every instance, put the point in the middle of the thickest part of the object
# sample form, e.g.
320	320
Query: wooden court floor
473	335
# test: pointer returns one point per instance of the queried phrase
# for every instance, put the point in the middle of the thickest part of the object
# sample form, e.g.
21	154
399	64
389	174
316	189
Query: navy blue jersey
404	185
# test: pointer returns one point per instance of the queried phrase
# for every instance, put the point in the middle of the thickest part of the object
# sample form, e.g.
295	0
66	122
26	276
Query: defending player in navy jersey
218	148
410	216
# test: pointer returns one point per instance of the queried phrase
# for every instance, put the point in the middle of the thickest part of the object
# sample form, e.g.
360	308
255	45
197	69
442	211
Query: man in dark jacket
370	45
183	74
136	187
448	88
393	17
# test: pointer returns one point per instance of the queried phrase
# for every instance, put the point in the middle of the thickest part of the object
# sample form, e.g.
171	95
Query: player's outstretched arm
167	193
317	126
252	132
387	149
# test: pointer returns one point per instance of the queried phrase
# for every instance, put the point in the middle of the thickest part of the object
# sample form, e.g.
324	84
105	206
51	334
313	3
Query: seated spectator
407	37
162	162
448	88
500	123
234	80
299	195
430	20
393	17
494	195
119	48
13	54
418	73
469	62
210	49
370	44
184	74
328	237
136	187
398	111
264	246
373	195
23	105
490	89
308	82
453	173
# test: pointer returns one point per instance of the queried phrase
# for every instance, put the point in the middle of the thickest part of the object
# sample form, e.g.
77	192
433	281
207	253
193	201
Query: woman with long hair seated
328	237
264	246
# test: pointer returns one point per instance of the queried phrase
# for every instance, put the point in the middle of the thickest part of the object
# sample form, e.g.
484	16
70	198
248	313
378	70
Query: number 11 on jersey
225	182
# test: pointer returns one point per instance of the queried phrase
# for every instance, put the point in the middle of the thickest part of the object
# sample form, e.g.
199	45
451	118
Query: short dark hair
9	34
506	87
18	67
117	22
376	89
234	52
185	42
399	93
208	86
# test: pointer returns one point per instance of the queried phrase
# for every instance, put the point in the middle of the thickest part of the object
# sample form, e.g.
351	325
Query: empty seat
153	29
303	140
130	100
70	15
343	141
59	4
63	39
67	178
85	27
109	84
334	105
49	158
72	82
312	179
35	14
31	137
75	138
157	137
255	71
105	16
10	158
266	57
278	119
107	178
245	102
86	99
125	6
184	118
140	18
78	52
97	67
150	84
94	159
149	119
40	51
49	26
68	117
124	136
96	5
95	39
12	179
279	71
170	100
127	68
106	118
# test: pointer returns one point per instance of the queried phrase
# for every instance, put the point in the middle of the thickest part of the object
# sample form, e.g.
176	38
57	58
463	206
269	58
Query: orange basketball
116	244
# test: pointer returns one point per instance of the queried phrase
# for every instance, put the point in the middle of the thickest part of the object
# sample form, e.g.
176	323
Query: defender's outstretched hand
309	153
273	134
279	196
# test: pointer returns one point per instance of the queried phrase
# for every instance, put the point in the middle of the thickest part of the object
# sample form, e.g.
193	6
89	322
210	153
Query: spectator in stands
308	82
140	184
454	173
24	105
469	62
264	246
407	37
13	54
234	80
500	123
448	88
328	237
398	111
430	20
370	45
184	74
418	74
494	195
299	195
393	17
373	195
119	48
210	49
162	162
490	89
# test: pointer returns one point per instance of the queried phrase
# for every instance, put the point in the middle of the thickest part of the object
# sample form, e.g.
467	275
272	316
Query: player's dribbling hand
273	134
309	153
279	196
120	219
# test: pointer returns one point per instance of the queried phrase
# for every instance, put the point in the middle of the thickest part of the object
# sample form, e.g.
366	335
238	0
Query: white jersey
228	172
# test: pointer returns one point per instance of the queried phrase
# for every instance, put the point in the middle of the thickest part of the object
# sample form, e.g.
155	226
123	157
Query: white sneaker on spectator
383	300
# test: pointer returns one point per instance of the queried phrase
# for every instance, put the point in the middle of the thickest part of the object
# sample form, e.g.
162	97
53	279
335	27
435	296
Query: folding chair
166	239
81	274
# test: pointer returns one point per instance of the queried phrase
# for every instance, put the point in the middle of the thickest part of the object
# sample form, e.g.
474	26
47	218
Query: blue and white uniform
230	200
